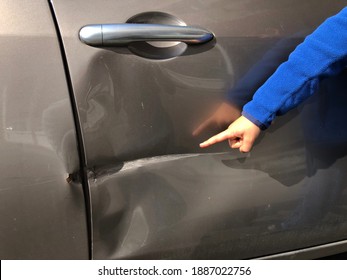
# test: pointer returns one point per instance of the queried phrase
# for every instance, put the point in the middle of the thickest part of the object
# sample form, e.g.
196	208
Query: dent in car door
154	193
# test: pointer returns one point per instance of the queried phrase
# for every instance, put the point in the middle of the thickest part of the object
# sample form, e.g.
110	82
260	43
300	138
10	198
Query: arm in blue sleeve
257	75
322	54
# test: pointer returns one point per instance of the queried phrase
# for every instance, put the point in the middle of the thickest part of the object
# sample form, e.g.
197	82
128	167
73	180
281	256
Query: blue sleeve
257	75
322	54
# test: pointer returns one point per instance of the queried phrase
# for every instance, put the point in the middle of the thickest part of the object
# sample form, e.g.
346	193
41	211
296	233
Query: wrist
253	120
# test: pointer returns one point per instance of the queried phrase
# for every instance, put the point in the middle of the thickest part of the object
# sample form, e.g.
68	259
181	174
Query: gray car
103	106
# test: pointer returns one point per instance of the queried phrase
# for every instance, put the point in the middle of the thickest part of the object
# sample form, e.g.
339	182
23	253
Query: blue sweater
322	54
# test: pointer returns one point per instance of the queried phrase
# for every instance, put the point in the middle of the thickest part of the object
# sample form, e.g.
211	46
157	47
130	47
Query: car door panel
43	213
154	192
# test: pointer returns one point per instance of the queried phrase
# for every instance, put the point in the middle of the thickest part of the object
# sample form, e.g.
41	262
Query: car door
153	192
42	211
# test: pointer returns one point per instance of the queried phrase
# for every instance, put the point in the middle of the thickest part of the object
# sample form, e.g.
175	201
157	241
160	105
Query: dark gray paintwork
42	216
154	193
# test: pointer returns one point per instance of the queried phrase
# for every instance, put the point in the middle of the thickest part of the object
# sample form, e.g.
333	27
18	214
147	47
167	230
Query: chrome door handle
115	35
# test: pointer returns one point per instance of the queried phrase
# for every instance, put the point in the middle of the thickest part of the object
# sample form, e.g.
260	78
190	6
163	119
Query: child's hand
241	135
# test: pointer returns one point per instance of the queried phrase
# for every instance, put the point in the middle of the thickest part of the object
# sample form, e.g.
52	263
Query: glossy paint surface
42	214
155	193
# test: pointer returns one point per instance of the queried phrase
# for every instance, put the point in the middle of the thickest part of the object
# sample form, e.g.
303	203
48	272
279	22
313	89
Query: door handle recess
117	35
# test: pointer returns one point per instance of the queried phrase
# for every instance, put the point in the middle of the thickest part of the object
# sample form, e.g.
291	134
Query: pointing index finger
224	135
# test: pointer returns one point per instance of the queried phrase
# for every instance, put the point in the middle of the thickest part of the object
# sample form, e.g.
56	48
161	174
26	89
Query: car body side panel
42	213
155	193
